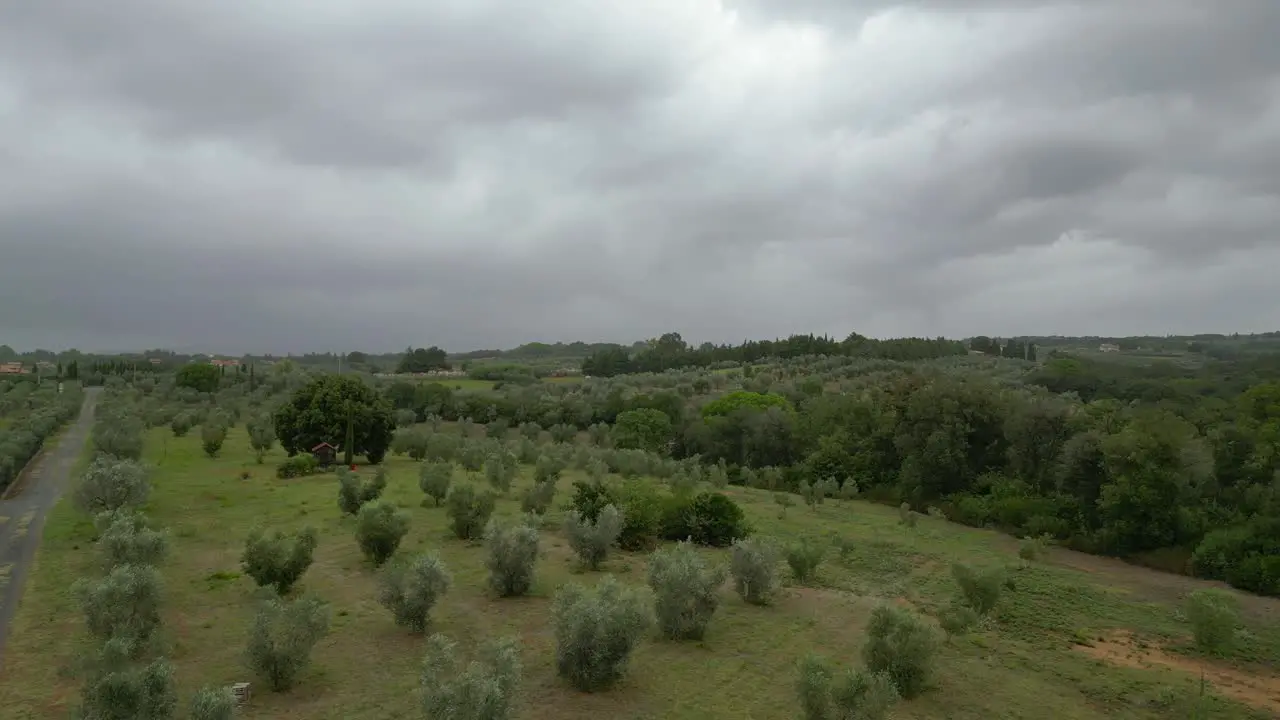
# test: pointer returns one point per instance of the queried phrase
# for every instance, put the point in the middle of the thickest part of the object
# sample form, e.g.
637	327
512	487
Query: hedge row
25	431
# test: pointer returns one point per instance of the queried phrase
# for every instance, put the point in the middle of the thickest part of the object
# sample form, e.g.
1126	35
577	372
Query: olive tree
482	690
110	483
411	589
596	630
281	639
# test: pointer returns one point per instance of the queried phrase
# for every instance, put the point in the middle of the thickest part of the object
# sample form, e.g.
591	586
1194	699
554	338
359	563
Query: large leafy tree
201	377
323	410
643	428
423	360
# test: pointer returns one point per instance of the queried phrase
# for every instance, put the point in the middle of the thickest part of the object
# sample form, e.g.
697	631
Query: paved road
22	516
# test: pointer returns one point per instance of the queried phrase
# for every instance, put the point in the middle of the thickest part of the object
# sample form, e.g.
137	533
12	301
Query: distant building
324	453
1108	347
13	368
225	363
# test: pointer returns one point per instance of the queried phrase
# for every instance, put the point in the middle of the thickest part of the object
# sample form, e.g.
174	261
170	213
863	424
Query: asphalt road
22	515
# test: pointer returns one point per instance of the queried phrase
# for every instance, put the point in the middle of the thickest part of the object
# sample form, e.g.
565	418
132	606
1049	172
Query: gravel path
22	514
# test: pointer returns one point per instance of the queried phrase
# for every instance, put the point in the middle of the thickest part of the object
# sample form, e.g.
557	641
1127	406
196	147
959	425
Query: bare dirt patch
1123	649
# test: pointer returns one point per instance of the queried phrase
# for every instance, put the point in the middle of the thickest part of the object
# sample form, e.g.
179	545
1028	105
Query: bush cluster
754	566
469	511
512	554
379	529
685	591
591	540
435	479
282	636
354	492
298	466
41	413
483	690
596	630
278	559
410	589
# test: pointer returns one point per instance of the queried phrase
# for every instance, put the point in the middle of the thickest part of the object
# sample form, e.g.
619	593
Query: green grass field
1078	637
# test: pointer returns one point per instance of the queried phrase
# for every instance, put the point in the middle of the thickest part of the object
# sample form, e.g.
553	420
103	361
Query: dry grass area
1019	664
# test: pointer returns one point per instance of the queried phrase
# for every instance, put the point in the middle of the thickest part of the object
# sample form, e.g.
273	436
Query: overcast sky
304	175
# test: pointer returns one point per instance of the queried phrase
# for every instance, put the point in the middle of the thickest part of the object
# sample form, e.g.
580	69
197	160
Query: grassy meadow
1077	637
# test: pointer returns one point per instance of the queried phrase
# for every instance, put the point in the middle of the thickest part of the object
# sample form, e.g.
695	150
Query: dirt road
22	515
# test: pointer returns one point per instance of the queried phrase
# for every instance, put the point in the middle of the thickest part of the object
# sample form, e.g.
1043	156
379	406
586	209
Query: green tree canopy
423	360
644	429
744	399
318	412
201	377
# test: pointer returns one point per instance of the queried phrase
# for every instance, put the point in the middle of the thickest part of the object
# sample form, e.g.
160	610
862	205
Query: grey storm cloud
343	174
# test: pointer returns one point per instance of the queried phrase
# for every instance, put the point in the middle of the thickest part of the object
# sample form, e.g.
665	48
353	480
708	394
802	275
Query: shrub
811	493
957	618
125	604
902	645
537	499
469	510
848	489
128	541
685	591
1214	615
716	520
591	540
718	476
298	466
547	469
981	590
354	493
500	471
754	566
111	484
642	505
804	557
596	631
845	548
122	692
434	478
213	704
119	438
530	430
405	418
281	638
1247	556
414	442
590	497
683	483
442	447
484	690
907	516
379	530
212	435
278	559
784	501
1032	549
472	457
181	424
854	695
411	589
513	551
262	436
